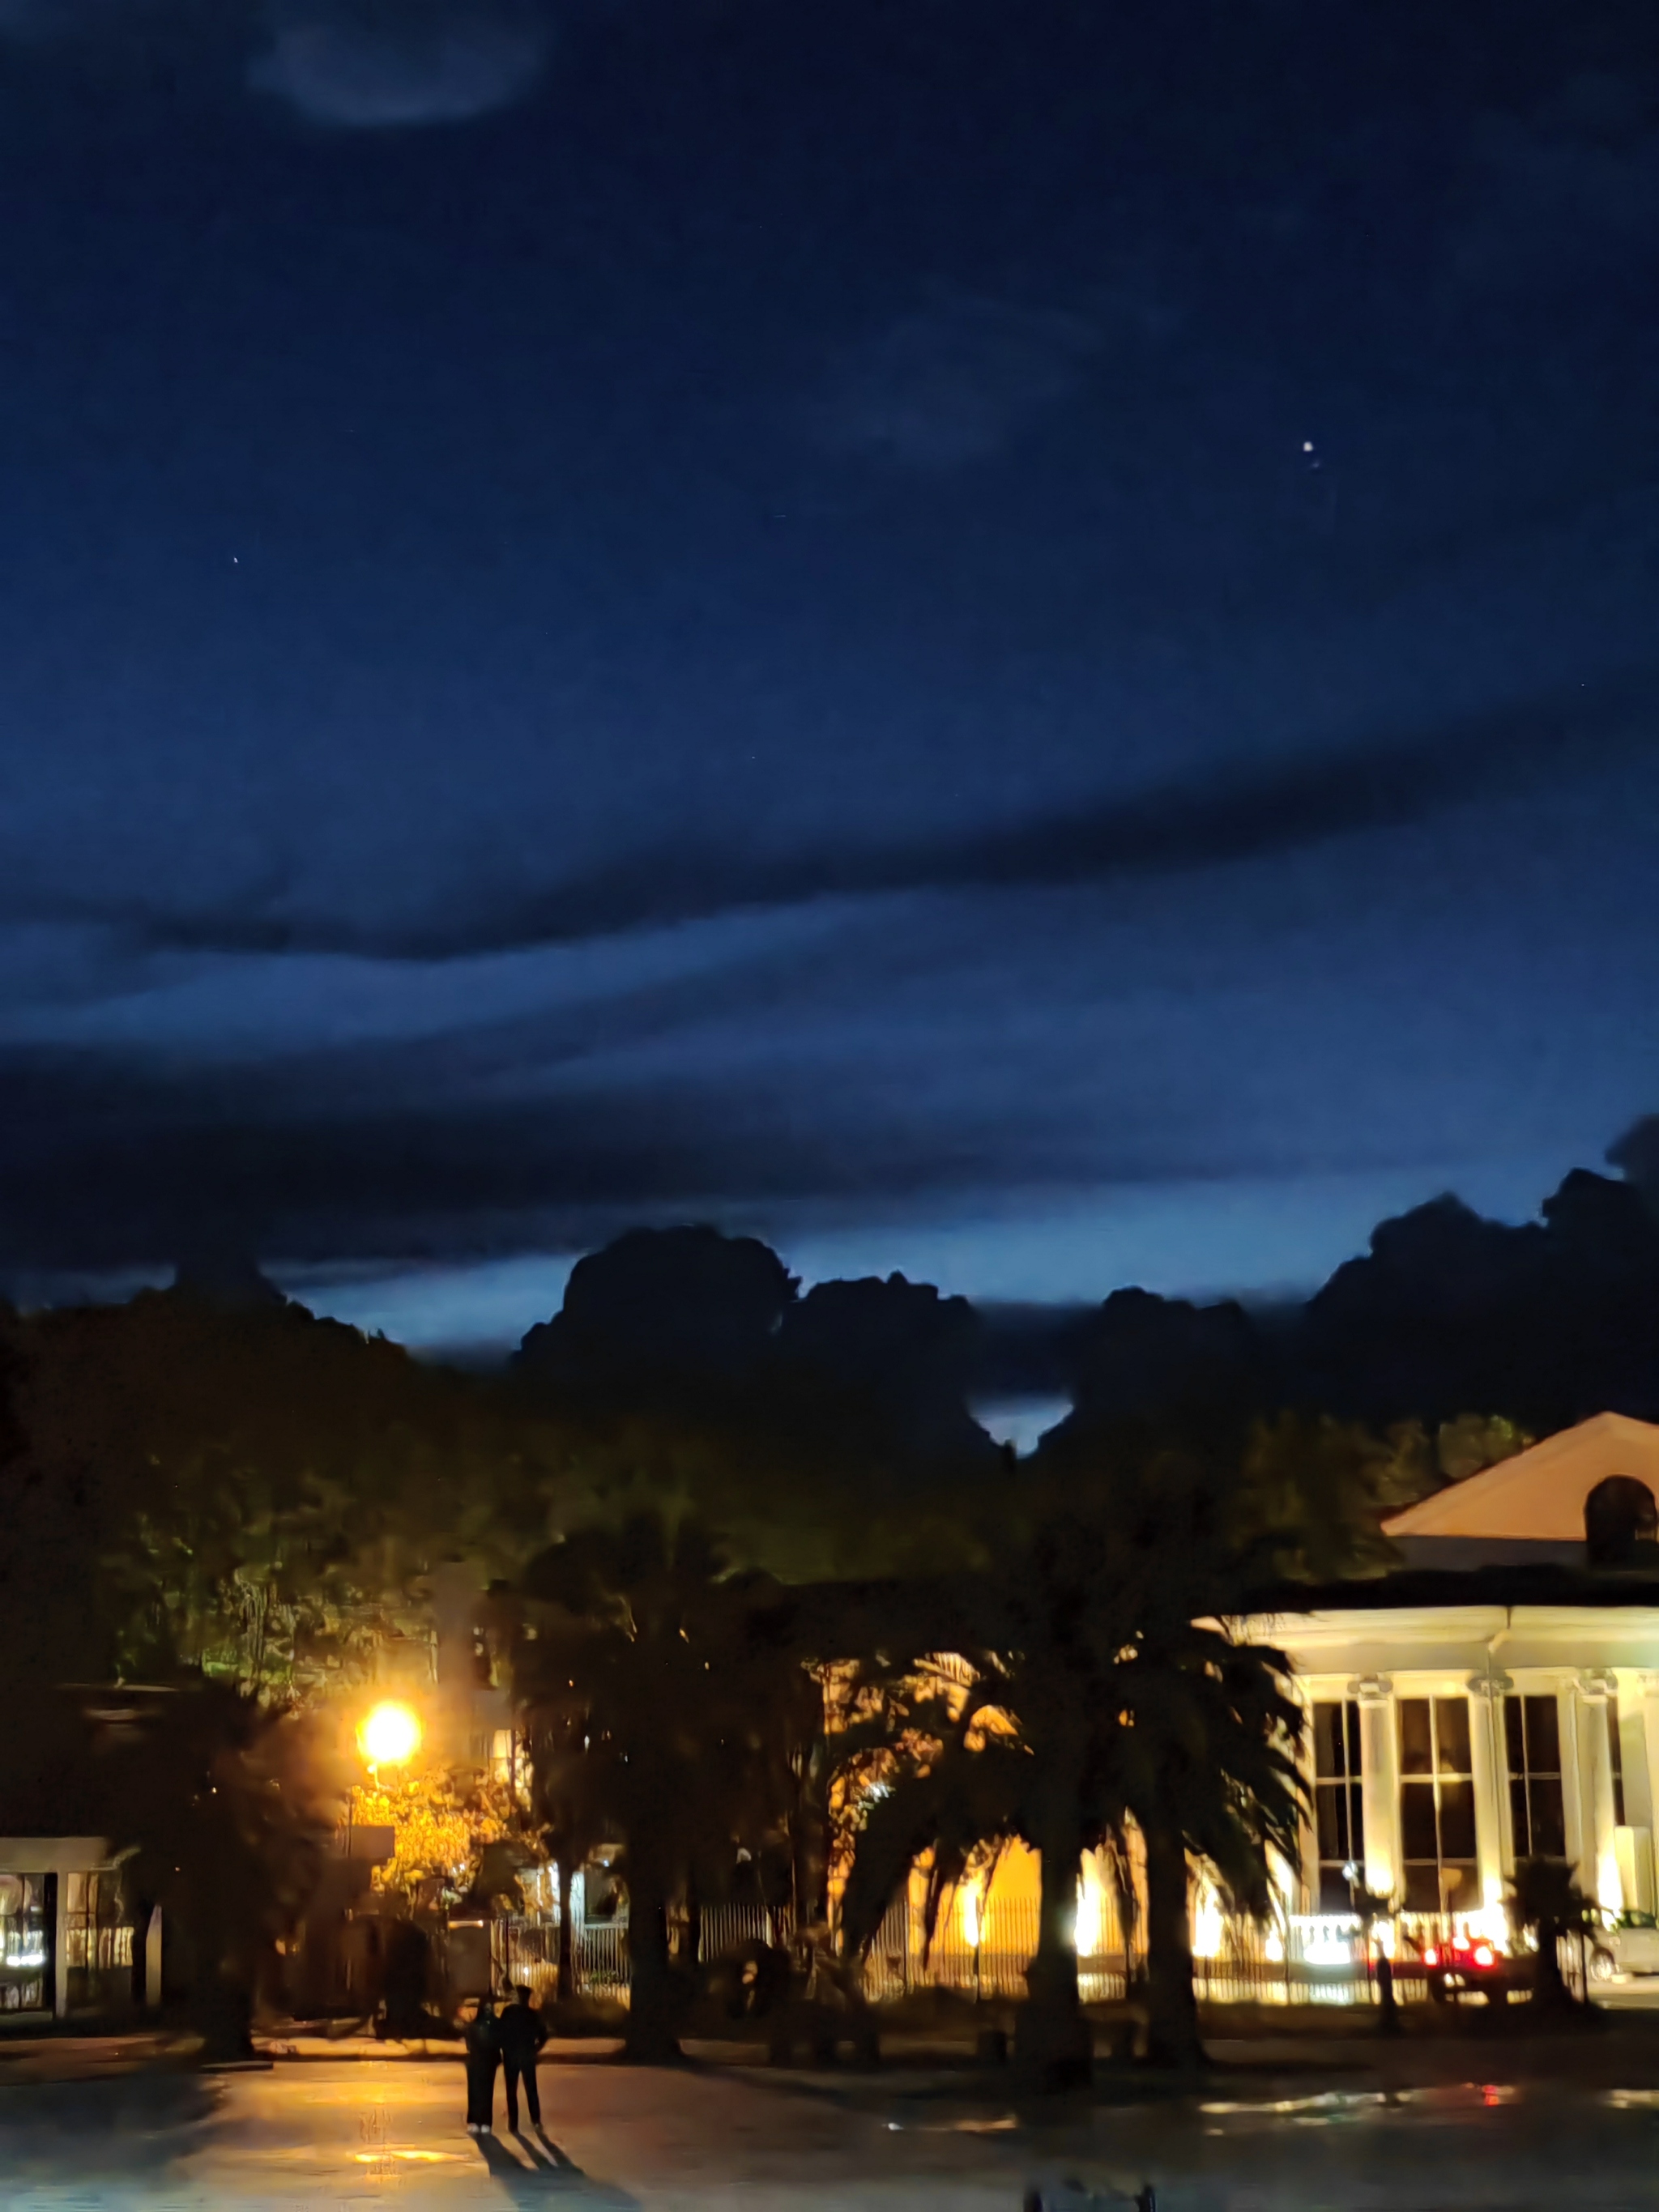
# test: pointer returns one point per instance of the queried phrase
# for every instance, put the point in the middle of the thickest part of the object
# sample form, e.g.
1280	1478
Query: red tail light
1483	1955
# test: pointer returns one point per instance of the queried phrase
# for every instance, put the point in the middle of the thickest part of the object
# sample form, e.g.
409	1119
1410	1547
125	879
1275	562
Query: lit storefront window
26	1915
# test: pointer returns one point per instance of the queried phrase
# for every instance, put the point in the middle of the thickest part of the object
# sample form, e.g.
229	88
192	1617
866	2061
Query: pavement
1421	2129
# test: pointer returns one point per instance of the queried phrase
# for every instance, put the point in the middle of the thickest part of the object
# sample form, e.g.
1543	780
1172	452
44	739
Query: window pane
1335	1895
1356	1820
1327	1741
1451	1727
1521	1828
1514	1743
1415	1754
1417	1831
1332	1821
1356	1766
1549	1820
1615	1746
1458	1889
1457	1820
1422	1888
1543	1735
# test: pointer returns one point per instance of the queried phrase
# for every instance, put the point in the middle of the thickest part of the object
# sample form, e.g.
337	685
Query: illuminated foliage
442	1823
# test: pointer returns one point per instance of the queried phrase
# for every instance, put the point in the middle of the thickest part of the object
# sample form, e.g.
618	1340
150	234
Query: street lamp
390	1735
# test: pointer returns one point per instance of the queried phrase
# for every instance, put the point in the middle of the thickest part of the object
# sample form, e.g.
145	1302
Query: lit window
1339	1813
1437	1806
1532	1743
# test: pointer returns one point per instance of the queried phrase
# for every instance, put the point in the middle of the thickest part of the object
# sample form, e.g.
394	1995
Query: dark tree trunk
566	1981
650	2039
1172	2038
1125	1911
809	1868
1053	2044
693	1928
1550	1992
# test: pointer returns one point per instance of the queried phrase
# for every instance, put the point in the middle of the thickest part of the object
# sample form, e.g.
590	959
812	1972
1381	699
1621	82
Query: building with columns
1497	1696
1494	1697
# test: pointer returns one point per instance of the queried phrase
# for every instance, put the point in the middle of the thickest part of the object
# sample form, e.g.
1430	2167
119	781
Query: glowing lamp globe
390	1735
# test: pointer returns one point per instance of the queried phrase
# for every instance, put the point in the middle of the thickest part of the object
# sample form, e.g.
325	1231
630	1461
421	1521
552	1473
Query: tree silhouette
1545	1901
1102	1690
662	1708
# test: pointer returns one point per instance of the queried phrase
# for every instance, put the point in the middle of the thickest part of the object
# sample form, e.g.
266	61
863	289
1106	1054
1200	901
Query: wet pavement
387	2132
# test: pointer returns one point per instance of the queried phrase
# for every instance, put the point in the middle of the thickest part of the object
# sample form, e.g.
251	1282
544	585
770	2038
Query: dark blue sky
1017	641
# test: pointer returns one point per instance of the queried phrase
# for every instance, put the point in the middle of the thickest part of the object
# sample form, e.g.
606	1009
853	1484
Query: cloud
953	382
63	18
107	1161
387	65
1220	819
1565	192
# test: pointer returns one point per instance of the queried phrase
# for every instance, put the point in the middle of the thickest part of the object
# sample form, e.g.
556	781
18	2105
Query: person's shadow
545	2169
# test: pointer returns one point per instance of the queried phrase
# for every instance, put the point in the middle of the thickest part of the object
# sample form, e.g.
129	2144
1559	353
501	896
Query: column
1379	1745
1486	1763
1641	1748
1598	1858
1636	1747
1649	1684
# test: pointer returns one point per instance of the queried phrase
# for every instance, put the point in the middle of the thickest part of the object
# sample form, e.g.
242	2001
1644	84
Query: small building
67	1946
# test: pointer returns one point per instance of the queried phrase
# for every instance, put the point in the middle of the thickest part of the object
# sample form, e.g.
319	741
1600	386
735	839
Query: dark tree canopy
1547	1322
1142	1356
669	1313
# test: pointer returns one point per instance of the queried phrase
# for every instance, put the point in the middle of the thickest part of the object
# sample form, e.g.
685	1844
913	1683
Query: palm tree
1545	1901
662	1708
1206	1508
1102	1693
966	1777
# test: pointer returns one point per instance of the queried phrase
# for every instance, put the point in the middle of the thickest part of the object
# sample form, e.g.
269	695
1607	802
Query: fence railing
901	1960
1306	1960
527	1951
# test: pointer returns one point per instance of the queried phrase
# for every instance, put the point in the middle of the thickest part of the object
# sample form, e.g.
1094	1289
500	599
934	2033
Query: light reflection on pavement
344	2135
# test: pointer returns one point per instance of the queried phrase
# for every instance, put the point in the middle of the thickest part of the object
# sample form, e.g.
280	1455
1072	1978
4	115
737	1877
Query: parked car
1464	1964
1628	1949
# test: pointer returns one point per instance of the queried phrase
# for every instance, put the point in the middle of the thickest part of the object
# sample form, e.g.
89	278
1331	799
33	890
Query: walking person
523	2032
483	2056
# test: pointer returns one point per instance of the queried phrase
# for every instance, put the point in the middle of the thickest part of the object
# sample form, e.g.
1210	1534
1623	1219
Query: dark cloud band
1182	828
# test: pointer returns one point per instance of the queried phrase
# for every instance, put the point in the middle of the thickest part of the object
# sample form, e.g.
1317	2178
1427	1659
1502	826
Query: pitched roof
1539	1493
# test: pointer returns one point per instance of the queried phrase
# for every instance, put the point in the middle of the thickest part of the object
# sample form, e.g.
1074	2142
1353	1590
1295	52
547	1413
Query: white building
1497	1696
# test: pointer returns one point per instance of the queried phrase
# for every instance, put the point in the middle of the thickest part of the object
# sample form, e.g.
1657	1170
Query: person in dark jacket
523	2032
484	2055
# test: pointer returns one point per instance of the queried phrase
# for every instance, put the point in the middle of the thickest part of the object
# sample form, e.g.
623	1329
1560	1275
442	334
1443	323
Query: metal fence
990	1964
527	1951
1304	1961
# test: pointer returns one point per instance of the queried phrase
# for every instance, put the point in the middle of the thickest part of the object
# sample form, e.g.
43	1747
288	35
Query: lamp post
389	1735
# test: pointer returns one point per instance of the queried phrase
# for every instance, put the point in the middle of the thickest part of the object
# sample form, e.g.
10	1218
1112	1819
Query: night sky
1016	640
